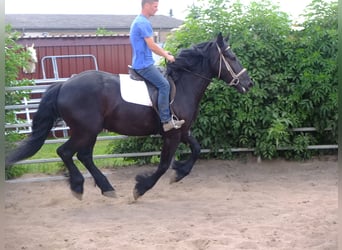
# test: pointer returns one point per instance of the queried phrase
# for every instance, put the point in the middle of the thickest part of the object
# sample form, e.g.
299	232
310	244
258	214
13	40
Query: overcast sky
122	7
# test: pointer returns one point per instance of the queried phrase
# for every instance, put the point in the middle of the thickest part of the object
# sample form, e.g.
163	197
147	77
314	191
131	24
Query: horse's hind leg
85	155
76	179
183	168
84	149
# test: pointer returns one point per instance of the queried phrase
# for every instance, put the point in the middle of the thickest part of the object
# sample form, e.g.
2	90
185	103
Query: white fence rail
28	106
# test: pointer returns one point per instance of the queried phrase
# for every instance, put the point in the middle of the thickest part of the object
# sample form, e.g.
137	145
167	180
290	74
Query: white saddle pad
134	91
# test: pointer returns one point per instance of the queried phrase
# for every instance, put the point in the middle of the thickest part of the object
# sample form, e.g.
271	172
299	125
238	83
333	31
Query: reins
196	74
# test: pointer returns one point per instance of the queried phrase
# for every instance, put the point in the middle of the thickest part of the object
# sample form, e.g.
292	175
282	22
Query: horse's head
229	68
33	53
30	67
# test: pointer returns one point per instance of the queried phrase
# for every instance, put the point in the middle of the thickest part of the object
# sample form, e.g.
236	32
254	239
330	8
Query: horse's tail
42	123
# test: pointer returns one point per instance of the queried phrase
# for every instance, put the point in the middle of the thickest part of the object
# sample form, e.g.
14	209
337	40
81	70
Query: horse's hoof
173	178
131	202
110	194
136	194
78	196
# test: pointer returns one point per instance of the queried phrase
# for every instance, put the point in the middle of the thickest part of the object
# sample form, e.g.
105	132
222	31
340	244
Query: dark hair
147	1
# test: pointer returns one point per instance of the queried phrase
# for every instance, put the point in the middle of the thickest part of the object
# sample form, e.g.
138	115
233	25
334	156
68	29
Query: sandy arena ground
278	205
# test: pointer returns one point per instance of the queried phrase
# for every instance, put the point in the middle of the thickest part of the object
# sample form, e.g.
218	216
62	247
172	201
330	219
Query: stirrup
173	124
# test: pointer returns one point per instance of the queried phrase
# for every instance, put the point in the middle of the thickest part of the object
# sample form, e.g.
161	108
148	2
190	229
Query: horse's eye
230	56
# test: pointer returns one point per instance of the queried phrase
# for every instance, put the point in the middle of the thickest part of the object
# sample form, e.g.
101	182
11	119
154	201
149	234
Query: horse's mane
190	59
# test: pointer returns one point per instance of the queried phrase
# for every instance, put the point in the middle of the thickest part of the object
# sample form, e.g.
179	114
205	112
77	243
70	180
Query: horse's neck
30	68
193	85
33	54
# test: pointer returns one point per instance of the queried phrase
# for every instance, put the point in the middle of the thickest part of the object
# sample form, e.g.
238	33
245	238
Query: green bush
294	71
15	59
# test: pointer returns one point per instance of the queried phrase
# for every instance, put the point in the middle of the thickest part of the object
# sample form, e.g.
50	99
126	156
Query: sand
276	205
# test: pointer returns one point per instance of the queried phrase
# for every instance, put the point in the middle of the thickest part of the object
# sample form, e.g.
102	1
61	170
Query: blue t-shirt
142	55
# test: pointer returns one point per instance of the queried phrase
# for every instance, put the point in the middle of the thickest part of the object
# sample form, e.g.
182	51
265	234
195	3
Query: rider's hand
170	58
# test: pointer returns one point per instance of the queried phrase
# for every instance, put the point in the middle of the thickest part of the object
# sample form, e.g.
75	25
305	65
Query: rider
141	36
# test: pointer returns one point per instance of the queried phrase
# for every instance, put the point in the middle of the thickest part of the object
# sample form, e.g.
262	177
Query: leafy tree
294	71
15	59
104	32
259	35
315	74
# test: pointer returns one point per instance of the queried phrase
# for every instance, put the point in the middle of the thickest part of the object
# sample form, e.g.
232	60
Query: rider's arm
158	50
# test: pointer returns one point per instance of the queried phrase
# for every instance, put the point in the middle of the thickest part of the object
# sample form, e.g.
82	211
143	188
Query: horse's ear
226	39
219	39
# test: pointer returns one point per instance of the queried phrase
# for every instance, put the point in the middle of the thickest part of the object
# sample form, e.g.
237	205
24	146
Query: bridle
235	81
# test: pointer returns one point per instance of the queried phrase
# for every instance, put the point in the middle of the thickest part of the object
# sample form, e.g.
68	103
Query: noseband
235	81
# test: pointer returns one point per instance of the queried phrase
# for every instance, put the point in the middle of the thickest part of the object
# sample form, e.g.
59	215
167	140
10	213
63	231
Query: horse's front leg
183	168
144	182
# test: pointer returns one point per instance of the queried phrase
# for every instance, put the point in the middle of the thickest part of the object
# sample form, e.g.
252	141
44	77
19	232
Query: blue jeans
154	76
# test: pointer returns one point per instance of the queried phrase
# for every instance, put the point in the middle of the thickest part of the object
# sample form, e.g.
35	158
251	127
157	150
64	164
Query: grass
49	151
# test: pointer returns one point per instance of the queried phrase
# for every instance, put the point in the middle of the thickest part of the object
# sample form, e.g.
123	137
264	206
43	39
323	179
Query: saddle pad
134	91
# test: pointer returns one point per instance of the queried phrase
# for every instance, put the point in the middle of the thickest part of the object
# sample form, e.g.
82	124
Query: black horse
90	102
